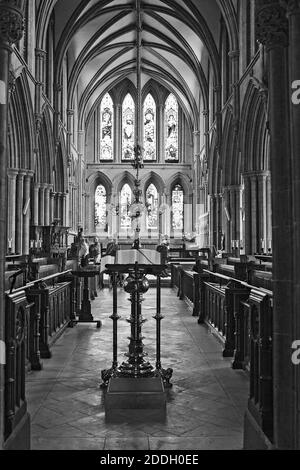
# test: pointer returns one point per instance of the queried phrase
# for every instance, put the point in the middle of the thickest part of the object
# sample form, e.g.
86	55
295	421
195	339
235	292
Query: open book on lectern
141	256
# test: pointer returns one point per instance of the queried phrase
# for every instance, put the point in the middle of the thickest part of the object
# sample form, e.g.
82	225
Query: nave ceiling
179	40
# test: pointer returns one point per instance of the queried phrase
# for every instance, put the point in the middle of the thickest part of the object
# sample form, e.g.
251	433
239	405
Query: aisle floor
205	406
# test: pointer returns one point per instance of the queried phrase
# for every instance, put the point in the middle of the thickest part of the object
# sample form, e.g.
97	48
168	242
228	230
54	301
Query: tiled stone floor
205	407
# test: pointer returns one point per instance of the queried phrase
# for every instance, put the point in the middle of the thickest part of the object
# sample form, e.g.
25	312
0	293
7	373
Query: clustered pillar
19	212
272	26
11	31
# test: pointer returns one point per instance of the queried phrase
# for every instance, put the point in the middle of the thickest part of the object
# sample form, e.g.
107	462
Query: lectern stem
115	322
158	324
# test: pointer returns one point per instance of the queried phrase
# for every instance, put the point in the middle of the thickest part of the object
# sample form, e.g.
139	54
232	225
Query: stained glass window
177	208
106	128
149	128
100	207
128	123
125	199
171	128
152	207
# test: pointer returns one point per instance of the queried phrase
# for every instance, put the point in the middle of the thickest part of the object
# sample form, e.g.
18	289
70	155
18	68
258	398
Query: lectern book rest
140	256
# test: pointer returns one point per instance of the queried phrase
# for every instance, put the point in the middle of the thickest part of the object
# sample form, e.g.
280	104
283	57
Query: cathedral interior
150	148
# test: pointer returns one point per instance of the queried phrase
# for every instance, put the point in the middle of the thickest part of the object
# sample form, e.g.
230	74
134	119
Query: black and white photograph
149	230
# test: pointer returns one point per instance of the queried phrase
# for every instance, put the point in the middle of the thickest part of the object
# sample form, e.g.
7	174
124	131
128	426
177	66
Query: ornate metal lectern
136	367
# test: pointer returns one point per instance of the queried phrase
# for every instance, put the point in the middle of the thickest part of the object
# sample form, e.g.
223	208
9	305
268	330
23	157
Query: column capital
43	186
234	187
217	88
257	173
12	172
196	133
234	54
22	173
40	53
271	24
292	6
11	22
29	173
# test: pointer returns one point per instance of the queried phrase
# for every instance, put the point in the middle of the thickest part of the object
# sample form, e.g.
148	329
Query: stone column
87	213
57	213
254	214
118	133
11	208
67	209
40	59
272	31
227	219
51	209
47	205
262	211
42	204
212	220
269	213
11	30
161	135
36	189
71	205
19	211
293	15
247	199
64	208
70	117
26	212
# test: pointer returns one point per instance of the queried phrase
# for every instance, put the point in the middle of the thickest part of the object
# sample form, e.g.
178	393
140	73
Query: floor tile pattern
205	406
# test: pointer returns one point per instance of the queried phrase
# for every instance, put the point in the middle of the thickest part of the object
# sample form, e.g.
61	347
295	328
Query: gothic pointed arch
254	134
184	181
21	139
121	179
156	179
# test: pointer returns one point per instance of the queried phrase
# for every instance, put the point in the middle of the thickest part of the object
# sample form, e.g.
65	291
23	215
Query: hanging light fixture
137	207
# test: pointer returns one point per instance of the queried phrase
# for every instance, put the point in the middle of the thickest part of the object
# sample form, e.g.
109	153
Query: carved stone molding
11	83
38	123
11	22
271	24
234	54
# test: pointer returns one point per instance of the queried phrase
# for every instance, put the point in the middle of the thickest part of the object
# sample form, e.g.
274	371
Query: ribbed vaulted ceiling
99	38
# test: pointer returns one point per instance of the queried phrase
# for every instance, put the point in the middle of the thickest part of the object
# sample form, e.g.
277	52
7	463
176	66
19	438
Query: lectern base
143	395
